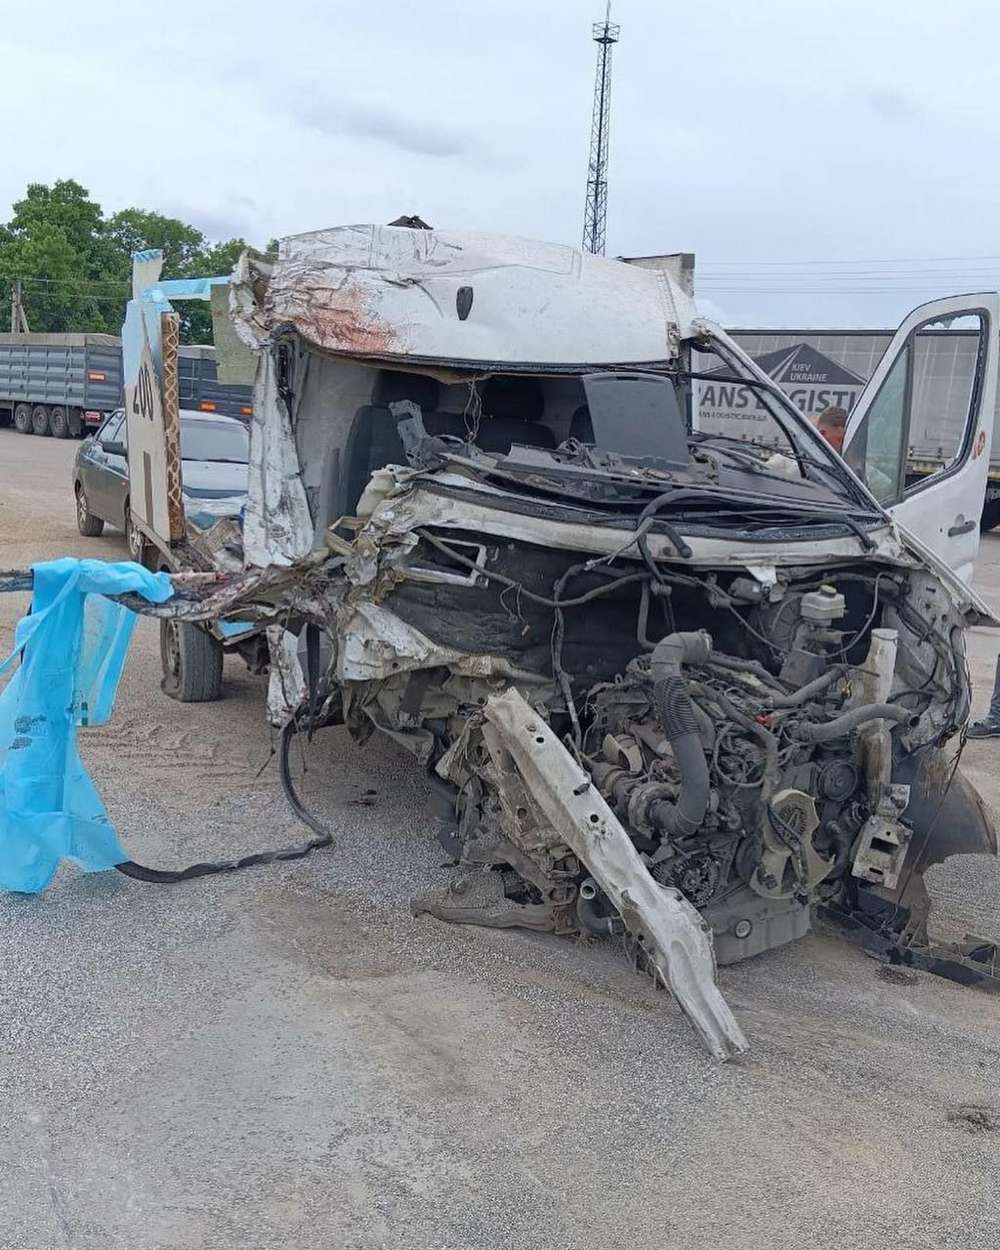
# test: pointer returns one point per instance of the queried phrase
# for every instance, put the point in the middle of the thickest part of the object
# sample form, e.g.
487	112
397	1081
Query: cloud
232	219
893	105
372	121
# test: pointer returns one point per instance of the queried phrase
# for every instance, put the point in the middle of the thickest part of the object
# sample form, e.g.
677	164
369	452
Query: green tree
76	264
134	230
55	243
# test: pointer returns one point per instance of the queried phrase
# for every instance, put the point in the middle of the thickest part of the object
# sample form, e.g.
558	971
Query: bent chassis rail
677	941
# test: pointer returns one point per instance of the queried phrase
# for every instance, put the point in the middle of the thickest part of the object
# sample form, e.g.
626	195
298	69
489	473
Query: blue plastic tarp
72	647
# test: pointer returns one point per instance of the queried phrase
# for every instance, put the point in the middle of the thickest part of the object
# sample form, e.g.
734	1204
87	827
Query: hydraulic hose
679	721
841	726
324	837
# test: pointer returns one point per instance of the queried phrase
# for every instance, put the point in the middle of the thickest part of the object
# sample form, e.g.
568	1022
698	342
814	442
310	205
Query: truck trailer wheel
192	663
40	419
58	423
22	419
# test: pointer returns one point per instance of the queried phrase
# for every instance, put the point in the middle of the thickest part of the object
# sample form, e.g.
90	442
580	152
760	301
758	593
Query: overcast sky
750	134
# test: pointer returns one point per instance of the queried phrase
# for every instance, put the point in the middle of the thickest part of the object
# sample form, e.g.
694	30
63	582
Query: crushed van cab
650	669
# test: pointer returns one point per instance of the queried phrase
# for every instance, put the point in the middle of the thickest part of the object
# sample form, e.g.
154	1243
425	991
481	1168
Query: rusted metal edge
260	594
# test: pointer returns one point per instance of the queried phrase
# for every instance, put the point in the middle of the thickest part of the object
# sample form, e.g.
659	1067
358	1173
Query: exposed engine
751	753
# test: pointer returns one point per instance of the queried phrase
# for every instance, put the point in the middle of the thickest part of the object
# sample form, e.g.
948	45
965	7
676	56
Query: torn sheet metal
277	526
676	939
286	683
377	644
389	292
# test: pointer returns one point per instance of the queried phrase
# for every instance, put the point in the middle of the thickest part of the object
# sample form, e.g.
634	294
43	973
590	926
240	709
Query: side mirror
115	449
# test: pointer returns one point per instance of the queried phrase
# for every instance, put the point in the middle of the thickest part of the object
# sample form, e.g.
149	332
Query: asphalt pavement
287	1058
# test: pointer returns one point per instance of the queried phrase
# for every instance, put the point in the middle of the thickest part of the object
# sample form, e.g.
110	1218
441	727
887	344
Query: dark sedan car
214	453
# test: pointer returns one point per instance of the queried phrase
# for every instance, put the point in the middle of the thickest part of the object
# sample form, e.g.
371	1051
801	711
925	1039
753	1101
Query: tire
74	419
22	419
90	526
40	420
134	538
58	423
192	663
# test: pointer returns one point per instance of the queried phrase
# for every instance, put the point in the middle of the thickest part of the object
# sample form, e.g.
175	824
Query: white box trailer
819	369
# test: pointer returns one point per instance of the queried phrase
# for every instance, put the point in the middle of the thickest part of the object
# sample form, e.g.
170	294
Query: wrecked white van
668	684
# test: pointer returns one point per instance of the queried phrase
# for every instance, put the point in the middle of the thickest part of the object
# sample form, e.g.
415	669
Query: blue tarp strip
72	645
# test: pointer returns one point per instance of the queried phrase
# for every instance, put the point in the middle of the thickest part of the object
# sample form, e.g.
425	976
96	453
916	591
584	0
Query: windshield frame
800	432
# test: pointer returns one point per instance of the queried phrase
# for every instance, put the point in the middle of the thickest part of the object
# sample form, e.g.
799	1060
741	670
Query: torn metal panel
286	685
236	362
677	941
277	526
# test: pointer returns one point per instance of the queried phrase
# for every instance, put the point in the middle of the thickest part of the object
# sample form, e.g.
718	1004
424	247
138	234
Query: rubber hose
679	721
841	726
169	876
808	691
592	919
754	667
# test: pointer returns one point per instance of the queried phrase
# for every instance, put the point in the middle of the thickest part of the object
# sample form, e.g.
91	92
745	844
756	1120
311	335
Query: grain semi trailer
65	385
58	383
199	386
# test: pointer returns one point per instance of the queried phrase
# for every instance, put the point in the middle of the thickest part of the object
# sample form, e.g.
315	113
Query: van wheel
22	419
58	423
90	526
192	663
40	419
135	540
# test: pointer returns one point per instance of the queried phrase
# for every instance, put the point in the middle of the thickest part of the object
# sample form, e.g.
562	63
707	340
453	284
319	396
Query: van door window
878	452
918	427
945	370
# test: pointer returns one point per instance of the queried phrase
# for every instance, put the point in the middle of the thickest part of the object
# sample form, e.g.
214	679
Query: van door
938	379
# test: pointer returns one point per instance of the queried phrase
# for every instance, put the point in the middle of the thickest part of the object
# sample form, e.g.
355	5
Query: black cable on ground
159	876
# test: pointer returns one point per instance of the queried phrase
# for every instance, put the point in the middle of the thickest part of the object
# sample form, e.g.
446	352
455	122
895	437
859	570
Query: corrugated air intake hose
679	721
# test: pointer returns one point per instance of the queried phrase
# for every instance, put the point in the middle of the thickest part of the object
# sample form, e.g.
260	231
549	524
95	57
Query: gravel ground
286	1058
